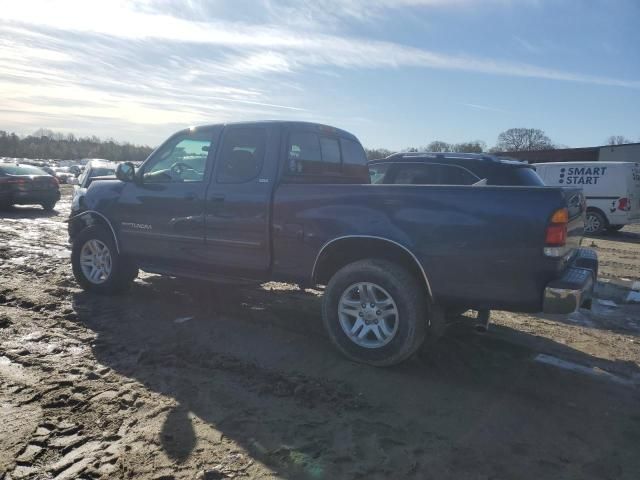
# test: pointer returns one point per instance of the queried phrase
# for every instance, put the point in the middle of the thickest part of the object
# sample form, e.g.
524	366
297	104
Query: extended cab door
238	200
161	215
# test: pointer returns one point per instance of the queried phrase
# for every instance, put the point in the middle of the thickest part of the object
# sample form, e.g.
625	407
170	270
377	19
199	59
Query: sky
396	73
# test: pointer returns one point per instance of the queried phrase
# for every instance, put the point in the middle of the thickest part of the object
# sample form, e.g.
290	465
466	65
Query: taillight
624	204
556	235
54	181
16	181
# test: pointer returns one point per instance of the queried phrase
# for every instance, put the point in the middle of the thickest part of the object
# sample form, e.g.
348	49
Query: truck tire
375	312
48	206
97	265
596	223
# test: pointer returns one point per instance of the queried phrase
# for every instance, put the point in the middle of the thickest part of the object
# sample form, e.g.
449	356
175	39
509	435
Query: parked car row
23	183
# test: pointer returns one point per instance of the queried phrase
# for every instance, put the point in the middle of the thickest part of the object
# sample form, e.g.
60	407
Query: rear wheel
596	223
97	265
48	206
375	312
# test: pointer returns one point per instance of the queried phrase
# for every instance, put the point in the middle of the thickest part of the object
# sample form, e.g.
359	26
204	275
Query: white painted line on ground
576	367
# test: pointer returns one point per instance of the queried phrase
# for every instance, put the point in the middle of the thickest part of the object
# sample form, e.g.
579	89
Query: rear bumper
29	197
575	288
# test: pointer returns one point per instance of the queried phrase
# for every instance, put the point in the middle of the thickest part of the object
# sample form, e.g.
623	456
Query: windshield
102	172
21	170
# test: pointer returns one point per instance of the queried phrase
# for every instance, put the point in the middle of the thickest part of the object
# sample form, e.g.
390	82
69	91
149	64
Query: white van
612	190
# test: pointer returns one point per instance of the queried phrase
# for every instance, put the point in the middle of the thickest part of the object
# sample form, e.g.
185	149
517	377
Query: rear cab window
323	158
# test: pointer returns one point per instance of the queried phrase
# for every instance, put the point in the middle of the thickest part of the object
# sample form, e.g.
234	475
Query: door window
434	174
182	159
242	155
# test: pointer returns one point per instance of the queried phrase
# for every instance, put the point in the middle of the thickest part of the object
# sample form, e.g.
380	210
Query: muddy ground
184	380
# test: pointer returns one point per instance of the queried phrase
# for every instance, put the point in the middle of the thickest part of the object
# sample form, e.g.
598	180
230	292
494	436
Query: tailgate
577	206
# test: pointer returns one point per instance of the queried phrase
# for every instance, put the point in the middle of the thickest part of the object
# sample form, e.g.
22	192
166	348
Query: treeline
439	146
45	143
511	140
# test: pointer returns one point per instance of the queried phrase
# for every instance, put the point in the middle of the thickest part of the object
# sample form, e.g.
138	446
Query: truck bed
479	246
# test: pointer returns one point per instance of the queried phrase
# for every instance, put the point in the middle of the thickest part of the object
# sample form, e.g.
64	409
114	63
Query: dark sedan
26	185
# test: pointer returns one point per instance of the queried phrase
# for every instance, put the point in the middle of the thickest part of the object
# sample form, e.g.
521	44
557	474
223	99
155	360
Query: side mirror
125	172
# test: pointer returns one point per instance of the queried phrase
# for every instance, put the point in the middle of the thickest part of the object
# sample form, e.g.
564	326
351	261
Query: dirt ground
184	380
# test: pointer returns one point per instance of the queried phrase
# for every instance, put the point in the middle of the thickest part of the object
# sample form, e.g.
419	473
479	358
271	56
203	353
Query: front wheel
596	223
97	265
375	312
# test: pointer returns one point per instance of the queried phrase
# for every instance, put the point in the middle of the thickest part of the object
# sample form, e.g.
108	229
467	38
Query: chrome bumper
575	288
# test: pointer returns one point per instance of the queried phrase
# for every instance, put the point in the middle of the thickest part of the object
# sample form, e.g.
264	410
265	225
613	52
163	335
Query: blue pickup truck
292	201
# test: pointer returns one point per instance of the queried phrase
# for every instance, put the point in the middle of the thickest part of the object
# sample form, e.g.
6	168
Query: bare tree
617	140
476	146
439	146
523	139
376	153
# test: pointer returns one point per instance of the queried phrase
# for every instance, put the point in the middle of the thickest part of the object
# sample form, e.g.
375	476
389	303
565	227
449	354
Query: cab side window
313	157
304	155
181	159
242	155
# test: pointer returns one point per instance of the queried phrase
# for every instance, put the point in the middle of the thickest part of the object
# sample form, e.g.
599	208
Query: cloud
155	63
269	48
487	108
526	45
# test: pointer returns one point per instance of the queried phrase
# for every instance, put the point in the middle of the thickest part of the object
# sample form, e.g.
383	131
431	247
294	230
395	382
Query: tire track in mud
108	399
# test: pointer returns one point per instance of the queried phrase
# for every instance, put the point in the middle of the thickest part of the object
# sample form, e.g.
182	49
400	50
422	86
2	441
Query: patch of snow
182	319
581	319
608	303
633	297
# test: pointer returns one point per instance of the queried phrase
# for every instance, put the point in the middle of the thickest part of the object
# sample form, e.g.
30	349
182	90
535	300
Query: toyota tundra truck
293	202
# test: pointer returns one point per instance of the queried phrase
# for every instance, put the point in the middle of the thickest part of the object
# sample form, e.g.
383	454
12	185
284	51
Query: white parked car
612	190
94	169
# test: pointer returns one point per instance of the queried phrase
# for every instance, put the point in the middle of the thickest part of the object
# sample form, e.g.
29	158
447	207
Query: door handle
190	196
217	199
